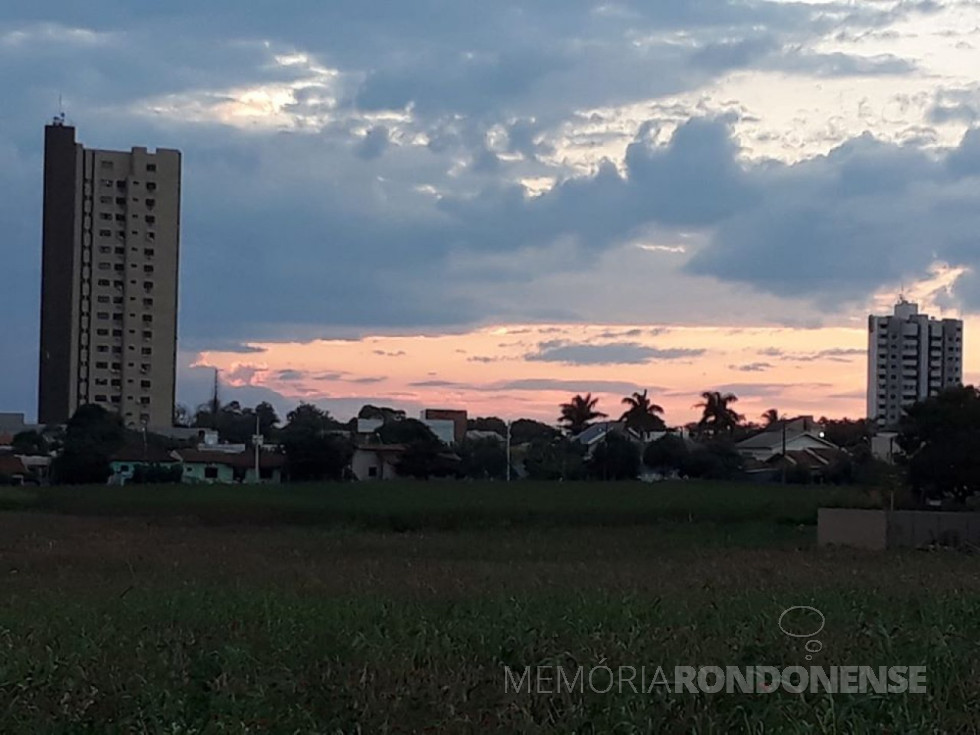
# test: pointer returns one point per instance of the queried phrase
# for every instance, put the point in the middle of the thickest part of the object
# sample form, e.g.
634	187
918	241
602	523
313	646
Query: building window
149	252
102	332
151	203
105	216
151	186
103	299
147	318
150	219
104	266
151	167
101	348
145	400
147	268
104	282
147	334
147	351
148	303
104	315
145	384
211	473
101	366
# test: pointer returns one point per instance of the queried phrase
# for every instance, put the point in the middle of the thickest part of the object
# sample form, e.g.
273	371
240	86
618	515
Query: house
594	434
790	445
220	467
131	459
793	434
814	461
376	461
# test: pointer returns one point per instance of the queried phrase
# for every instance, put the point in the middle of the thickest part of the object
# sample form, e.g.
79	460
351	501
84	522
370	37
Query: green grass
449	505
396	608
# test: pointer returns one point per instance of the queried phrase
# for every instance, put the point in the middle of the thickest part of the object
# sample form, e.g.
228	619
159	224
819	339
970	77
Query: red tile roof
242	460
139	453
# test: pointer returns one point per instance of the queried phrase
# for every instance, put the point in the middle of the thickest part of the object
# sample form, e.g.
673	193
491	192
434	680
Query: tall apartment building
111	240
910	357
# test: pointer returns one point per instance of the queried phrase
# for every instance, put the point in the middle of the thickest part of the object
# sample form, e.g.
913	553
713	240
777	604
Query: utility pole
508	451
257	442
783	424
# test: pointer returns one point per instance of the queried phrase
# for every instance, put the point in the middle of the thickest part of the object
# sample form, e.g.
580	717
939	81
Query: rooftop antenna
59	119
215	404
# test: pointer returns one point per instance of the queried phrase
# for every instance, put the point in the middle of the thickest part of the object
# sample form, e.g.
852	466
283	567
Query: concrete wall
880	529
197	473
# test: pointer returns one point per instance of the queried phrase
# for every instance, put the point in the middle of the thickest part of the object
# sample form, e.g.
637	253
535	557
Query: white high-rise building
910	357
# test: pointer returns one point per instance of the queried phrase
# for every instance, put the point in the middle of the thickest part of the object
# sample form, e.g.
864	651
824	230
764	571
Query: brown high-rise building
111	241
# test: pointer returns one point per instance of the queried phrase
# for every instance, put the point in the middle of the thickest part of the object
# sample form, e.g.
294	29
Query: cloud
374	144
614	353
752	367
576	386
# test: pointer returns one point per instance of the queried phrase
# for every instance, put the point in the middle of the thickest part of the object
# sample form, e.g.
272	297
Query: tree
771	417
30	443
579	413
523	431
380	412
313	451
717	416
409	431
667	454
715	460
554	457
483	459
489	423
939	437
614	458
850	434
91	437
642	415
182	415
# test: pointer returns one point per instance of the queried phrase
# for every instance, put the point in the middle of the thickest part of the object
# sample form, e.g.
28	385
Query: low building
475	435
444	430
789	435
133	460
376	461
458	418
216	467
596	433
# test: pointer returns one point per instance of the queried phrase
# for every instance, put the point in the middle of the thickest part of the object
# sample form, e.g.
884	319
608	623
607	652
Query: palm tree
578	413
717	416
771	417
642	415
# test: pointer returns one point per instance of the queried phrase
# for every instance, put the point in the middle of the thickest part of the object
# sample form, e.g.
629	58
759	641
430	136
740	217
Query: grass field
396	608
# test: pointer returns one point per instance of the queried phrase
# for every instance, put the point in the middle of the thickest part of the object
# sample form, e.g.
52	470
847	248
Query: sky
494	206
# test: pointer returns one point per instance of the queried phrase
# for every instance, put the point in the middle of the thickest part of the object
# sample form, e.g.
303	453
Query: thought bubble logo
801	617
